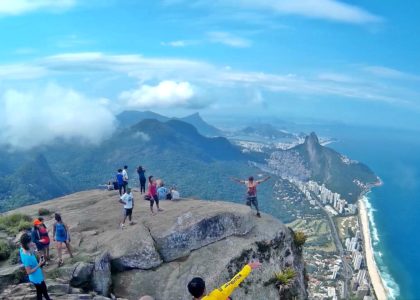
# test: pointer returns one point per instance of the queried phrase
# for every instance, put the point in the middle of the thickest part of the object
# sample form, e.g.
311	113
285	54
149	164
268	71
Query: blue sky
350	61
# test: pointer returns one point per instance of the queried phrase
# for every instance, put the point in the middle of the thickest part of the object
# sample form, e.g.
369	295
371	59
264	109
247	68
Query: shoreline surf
379	286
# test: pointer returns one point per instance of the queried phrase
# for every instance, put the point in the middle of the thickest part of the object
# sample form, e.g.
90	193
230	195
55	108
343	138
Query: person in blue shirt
33	267
162	191
120	180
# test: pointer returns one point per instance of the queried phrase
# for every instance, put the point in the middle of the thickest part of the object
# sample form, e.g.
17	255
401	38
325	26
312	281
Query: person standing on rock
61	237
128	201
142	179
251	193
197	286
120	180
33	267
152	191
125	178
39	236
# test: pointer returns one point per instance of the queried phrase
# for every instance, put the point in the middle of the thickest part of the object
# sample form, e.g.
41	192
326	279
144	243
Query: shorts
252	200
128	212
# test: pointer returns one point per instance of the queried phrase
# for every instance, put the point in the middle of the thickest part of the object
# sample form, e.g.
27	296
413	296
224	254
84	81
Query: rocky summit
159	254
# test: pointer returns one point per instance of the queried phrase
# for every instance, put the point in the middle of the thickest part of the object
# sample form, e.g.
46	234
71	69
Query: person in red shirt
152	191
251	192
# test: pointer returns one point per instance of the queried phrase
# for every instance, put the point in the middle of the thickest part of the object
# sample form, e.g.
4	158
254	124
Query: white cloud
228	39
180	43
38	117
22	71
202	74
18	7
332	10
320	9
166	94
386	72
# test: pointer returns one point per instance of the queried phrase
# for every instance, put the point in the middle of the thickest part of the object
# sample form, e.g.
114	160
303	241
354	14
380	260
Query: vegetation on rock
299	238
15	223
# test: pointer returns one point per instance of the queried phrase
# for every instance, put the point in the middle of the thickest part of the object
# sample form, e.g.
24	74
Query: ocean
394	155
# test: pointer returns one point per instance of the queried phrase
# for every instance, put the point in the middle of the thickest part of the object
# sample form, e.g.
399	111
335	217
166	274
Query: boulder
161	253
11	275
133	248
196	225
267	242
102	274
24	291
82	275
57	288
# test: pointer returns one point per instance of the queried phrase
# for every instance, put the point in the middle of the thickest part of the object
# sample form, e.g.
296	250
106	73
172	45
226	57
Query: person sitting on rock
251	193
61	235
197	286
128	201
33	267
162	191
174	193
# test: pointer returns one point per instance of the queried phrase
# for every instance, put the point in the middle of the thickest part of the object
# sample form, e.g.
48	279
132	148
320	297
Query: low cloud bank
32	118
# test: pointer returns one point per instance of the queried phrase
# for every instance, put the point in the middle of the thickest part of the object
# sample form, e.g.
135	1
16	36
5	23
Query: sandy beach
378	286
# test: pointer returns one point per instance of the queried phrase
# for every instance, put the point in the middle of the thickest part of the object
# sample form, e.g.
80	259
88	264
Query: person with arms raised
251	193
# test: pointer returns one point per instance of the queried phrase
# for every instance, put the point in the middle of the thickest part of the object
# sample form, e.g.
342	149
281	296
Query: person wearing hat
128	201
39	236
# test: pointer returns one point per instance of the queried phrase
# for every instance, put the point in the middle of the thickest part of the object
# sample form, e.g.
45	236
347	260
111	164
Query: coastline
374	274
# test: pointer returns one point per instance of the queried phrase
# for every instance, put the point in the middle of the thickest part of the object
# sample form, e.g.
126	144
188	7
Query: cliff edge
158	255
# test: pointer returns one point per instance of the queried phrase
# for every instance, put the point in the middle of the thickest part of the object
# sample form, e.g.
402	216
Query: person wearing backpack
61	236
33	267
39	236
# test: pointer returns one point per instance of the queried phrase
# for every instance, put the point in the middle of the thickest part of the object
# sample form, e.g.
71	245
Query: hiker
127	200
163	192
152	192
61	236
197	286
33	267
174	193
39	236
251	193
142	178
125	178
120	180
45	238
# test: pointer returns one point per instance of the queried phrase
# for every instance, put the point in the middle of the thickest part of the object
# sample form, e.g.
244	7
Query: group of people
35	251
156	191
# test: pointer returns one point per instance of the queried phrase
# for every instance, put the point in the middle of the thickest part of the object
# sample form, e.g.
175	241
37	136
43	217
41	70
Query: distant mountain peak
312	139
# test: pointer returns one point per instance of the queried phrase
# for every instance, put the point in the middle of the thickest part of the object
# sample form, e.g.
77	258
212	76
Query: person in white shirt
128	201
125	178
174	193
